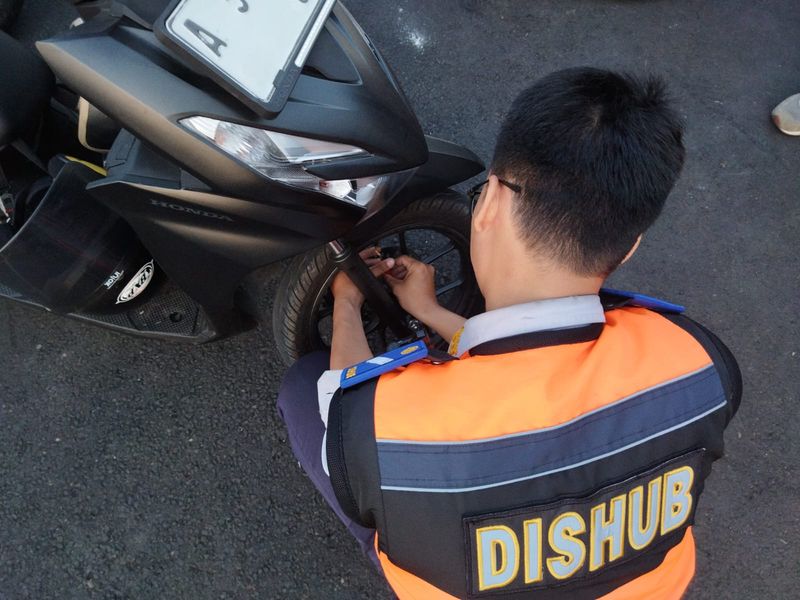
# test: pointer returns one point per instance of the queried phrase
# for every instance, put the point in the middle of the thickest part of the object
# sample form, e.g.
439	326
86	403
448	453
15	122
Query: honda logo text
191	211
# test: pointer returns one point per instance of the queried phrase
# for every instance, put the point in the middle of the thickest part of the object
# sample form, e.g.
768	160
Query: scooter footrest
170	313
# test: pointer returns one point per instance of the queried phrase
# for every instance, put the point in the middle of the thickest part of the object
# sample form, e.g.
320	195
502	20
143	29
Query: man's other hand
343	288
412	282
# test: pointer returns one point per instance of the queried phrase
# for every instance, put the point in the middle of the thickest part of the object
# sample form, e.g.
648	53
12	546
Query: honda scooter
161	159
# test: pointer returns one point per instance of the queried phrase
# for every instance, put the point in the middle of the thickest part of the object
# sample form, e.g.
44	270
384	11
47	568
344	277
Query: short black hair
596	154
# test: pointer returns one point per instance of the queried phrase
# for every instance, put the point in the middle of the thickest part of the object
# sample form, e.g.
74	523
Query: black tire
303	292
9	10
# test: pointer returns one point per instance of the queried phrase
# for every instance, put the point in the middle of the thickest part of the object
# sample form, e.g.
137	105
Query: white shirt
541	315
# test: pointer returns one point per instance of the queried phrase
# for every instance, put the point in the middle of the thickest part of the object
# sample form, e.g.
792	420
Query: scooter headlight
283	157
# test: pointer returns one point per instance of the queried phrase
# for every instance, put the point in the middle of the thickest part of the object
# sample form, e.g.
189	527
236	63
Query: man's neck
531	287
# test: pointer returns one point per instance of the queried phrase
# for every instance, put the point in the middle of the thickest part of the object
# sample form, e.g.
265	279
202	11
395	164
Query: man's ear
488	206
633	249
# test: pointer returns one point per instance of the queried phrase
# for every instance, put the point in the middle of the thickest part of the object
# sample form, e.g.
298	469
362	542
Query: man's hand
412	282
344	290
349	344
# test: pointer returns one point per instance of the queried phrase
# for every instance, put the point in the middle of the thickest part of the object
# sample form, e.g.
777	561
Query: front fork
375	294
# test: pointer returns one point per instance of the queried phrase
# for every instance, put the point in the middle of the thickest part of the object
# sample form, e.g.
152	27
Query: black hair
596	154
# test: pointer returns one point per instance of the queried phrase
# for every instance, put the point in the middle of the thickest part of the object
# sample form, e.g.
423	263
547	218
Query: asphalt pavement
137	469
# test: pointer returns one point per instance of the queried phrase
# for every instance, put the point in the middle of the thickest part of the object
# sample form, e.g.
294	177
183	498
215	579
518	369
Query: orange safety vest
562	465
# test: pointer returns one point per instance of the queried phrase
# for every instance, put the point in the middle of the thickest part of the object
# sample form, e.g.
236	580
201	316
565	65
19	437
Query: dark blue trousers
299	409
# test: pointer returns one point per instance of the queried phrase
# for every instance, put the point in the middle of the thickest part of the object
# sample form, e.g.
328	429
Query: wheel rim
446	250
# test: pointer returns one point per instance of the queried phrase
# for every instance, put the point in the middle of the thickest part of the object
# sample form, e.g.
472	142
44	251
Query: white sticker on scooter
138	284
114	278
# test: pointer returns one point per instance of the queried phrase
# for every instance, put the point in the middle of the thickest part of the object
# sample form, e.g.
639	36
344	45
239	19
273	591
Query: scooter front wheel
434	230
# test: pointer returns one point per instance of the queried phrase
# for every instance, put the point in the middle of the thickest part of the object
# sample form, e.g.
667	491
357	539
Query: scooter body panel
20	103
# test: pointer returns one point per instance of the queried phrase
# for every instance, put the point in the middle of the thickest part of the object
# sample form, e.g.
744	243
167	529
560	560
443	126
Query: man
563	453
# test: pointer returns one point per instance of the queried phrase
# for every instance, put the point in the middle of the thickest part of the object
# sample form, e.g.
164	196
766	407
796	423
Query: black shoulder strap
352	454
723	359
539	339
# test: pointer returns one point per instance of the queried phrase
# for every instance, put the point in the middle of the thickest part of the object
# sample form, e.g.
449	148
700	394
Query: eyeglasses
474	193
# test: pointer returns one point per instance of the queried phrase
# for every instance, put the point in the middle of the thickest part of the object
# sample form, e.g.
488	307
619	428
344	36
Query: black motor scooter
164	156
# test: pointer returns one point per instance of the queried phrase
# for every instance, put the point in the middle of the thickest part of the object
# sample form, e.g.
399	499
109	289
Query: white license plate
252	43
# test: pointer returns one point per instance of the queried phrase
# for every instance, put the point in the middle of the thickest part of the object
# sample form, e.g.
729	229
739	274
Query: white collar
542	315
